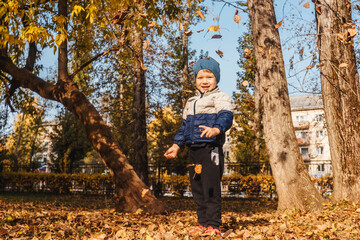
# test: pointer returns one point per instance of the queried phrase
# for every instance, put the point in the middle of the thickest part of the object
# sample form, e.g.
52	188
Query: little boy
206	118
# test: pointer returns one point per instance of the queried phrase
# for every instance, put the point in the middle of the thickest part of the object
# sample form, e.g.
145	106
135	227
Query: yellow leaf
144	192
279	24
214	28
200	14
180	26
247	53
306	5
139	211
309	67
245	83
143	66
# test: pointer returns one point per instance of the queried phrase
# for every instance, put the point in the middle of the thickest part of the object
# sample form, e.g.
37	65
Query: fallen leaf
306	5
279	24
214	28
343	65
220	53
216	36
309	67
198	12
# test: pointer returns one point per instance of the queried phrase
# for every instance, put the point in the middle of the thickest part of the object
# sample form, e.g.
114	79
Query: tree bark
340	92
140	159
293	184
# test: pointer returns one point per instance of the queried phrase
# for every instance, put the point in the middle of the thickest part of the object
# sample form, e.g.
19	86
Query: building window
319	134
321	168
320	150
302	135
304	151
301	118
319	118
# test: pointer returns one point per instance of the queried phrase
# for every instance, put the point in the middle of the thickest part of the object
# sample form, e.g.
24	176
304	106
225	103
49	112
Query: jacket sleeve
224	107
180	136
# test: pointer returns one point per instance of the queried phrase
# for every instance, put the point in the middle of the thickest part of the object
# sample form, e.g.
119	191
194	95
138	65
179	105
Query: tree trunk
140	159
293	184
340	91
131	192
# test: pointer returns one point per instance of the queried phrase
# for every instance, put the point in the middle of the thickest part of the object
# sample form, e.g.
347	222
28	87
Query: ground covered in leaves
25	216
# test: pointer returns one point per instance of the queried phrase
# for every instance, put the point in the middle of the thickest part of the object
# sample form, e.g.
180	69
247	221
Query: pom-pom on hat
210	64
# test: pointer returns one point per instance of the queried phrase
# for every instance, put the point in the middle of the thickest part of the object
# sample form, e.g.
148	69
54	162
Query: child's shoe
198	229
212	231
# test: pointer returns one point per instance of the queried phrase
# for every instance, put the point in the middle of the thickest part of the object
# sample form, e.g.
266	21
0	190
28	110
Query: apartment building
310	128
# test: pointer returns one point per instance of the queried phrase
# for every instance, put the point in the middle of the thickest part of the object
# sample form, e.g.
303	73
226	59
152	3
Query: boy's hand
172	151
208	131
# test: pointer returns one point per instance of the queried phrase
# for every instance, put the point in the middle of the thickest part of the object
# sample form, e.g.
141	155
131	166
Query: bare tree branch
230	4
92	60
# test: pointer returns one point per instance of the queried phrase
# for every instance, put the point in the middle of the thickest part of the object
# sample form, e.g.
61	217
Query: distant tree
161	132
249	145
24	142
69	143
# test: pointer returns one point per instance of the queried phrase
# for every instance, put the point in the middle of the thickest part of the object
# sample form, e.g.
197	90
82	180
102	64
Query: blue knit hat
210	64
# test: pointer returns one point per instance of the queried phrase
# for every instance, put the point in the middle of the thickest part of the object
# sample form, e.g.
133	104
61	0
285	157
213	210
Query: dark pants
206	187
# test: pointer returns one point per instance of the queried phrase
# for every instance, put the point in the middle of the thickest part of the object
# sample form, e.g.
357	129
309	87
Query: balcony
302	125
303	141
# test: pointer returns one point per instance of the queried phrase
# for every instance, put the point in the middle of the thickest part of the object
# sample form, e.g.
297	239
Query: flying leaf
200	30
309	67
237	18
216	36
214	28
198	12
343	65
247	53
147	45
306	5
188	33
245	83
143	66
144	15
220	53
191	63
320	65
151	24
352	32
279	24
318	10
358	7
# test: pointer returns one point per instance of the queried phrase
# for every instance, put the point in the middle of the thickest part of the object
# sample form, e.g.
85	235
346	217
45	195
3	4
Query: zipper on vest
192	132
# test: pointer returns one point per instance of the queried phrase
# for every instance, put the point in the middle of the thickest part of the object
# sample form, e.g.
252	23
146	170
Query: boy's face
205	81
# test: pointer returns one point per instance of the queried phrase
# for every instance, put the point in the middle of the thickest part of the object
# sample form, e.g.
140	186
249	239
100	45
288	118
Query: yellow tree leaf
309	67
247	53
214	28
352	32
245	83
198	12
151	24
